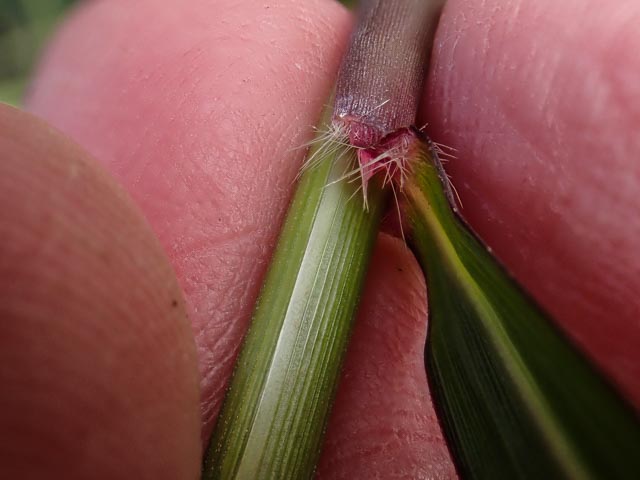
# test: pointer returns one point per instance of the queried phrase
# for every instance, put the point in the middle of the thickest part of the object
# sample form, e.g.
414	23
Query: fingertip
97	364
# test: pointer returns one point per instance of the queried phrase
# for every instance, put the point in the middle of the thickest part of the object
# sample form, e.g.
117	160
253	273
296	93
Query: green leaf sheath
275	412
516	399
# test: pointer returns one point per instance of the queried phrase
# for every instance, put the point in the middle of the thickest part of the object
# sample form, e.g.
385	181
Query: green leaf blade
518	400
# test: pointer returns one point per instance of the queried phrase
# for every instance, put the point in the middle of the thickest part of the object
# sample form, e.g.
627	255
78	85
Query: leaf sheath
274	415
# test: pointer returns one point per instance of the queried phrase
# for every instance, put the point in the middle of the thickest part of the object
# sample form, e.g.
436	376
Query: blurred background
25	26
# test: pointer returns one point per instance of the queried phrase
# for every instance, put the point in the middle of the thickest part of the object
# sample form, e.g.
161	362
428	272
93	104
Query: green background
25	25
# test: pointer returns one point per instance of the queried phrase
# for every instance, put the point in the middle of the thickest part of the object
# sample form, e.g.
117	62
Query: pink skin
98	374
196	108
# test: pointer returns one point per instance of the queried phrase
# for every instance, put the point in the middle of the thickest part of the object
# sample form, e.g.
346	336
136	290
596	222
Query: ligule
516	398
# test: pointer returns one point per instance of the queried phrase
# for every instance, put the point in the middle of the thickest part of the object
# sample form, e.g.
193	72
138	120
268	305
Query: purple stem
382	74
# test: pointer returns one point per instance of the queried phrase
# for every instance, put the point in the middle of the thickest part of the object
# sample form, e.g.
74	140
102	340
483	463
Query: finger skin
98	374
199	114
540	101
